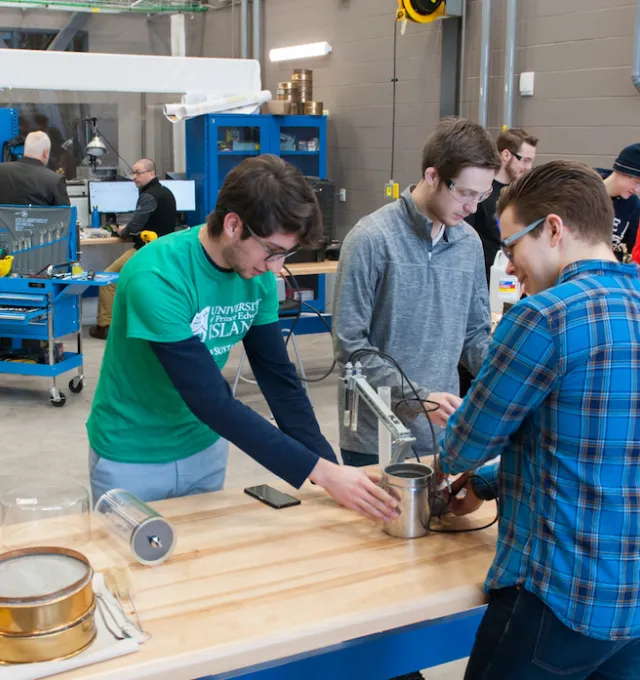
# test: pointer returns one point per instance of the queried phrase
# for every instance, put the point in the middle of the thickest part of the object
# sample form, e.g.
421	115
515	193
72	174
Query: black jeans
520	638
358	459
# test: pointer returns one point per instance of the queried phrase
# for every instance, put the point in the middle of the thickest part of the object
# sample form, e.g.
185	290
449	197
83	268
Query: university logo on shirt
224	321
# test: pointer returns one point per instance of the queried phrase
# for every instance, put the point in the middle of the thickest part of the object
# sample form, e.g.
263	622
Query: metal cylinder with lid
411	484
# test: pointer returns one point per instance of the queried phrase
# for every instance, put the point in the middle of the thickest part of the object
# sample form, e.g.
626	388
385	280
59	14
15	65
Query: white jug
503	287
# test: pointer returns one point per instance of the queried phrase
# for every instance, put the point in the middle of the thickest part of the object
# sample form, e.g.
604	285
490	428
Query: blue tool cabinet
41	298
8	126
217	143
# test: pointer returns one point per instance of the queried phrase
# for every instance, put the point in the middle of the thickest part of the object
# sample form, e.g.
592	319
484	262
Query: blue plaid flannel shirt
558	397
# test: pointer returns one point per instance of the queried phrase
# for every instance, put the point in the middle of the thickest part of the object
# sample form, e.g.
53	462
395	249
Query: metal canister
411	485
288	91
55	645
47	604
302	74
313	108
42	589
148	534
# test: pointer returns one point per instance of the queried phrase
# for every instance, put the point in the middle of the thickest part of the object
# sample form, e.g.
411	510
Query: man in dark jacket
623	185
28	181
517	149
155	212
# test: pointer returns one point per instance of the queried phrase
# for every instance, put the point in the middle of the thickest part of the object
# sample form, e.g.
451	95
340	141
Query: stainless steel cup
410	484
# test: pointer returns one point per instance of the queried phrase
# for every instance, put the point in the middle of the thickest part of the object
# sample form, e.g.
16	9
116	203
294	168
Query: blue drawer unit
41	299
218	143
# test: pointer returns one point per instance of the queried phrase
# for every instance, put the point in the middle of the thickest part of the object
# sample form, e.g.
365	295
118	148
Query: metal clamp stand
357	387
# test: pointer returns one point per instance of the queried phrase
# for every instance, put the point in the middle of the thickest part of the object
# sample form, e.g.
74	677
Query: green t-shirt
168	292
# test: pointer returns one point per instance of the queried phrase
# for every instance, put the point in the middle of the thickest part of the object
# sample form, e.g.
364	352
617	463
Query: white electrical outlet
526	83
343	195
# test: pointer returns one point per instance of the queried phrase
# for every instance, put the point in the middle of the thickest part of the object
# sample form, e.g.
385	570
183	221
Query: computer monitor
184	191
113	197
121	197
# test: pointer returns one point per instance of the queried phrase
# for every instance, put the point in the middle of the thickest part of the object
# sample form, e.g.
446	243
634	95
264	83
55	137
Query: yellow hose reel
421	11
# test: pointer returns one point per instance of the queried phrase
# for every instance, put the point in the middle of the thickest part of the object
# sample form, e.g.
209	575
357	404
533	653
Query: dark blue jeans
521	639
358	459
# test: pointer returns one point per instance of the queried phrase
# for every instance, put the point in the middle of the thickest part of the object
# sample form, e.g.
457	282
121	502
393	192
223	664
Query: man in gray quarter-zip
411	283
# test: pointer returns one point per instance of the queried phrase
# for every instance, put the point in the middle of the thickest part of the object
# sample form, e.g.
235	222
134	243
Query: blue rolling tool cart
8	127
217	143
41	294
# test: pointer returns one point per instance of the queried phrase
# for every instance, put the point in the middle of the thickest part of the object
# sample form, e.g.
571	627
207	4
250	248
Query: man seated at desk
163	413
28	181
156	212
557	397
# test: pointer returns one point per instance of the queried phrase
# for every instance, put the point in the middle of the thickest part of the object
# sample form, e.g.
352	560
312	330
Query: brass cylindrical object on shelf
302	74
313	108
296	108
288	91
47	604
52	646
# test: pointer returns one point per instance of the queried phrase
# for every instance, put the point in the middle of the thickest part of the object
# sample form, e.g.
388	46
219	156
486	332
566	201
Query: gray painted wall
584	107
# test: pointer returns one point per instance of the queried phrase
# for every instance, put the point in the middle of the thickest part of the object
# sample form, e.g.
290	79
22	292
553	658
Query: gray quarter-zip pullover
424	303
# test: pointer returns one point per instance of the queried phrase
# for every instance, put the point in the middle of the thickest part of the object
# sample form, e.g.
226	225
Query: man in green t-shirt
162	412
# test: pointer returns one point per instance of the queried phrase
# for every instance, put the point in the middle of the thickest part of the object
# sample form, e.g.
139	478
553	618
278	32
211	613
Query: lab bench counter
296	268
249	586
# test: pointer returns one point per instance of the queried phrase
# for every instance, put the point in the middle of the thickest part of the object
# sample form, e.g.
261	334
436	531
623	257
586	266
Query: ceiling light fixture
319	49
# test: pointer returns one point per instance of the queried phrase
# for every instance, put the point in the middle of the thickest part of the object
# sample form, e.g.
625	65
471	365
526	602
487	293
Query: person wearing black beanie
623	185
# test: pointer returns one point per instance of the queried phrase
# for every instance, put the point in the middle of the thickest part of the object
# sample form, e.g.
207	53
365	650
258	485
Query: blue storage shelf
208	165
70	361
238	153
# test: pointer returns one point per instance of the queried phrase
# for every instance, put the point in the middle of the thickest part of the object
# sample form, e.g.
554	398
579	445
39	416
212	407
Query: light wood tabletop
303	268
101	241
297	268
248	584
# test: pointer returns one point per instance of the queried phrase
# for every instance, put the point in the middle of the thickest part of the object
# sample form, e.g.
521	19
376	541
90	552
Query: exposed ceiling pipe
256	25
244	29
485	50
635	76
510	61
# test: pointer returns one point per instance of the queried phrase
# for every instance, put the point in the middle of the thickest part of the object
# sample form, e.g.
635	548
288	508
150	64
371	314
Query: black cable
360	352
472	529
113	148
394	80
302	303
292	283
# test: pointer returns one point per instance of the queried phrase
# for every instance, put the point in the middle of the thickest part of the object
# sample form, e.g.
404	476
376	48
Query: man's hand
120	229
467	502
355	488
448	403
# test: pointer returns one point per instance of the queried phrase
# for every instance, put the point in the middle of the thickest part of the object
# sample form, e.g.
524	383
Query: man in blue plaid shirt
558	397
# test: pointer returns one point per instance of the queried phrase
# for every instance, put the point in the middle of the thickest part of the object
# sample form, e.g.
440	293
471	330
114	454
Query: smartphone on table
272	497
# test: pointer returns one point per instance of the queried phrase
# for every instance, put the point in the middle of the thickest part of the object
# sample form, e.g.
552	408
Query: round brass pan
43	589
53	646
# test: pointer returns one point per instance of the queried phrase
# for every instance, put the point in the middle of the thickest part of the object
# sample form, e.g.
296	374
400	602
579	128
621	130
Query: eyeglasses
272	255
527	160
507	244
140	172
468	195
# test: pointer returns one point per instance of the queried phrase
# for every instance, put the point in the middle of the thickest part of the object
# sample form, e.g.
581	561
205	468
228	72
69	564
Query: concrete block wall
585	106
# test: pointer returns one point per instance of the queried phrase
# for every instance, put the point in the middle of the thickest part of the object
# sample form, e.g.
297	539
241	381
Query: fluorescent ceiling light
319	49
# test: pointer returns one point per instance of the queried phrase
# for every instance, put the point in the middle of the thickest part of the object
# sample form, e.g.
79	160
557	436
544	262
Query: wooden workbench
102	241
297	268
249	585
